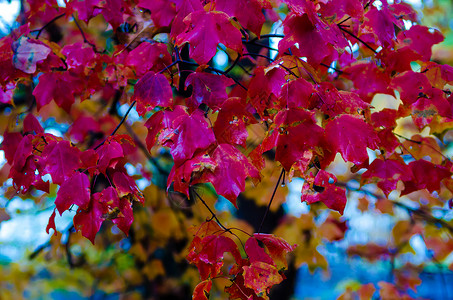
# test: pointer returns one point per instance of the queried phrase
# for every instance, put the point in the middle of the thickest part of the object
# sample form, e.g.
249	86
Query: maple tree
206	133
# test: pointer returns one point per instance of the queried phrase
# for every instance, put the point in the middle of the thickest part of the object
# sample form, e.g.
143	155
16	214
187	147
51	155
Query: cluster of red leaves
310	114
36	153
251	277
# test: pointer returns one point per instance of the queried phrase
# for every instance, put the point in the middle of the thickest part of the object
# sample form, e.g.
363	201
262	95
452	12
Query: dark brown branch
168	67
259	55
46	245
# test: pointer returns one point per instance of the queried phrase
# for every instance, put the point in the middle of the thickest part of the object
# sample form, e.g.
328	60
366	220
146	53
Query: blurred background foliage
376	241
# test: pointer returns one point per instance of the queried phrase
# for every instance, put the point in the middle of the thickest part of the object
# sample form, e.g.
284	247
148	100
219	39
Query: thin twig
259	55
233	65
118	126
357	38
265	36
85	40
212	213
214	70
47	25
143	148
425	215
214	216
168	67
420	143
329	67
270	202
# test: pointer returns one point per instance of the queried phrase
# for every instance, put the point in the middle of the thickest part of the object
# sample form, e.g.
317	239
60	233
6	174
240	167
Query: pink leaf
75	190
351	136
61	160
207	31
152	90
27	53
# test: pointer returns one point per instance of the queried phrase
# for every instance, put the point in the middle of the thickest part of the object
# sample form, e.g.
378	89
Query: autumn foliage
204	132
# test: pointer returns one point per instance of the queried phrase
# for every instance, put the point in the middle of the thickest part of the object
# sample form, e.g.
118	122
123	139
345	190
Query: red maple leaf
305	30
85	9
261	276
183	8
89	220
248	12
381	23
277	248
79	56
298	93
75	190
420	39
207	254
162	125
27	53
322	189
190	172
207	88
192	135
109	154
162	11
350	136
228	178
290	125
410	84
152	90
60	87
352	8
148	57
201	291
387	173
230	126
32	125
256	253
61	160
426	175
264	90
205	30
120	209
